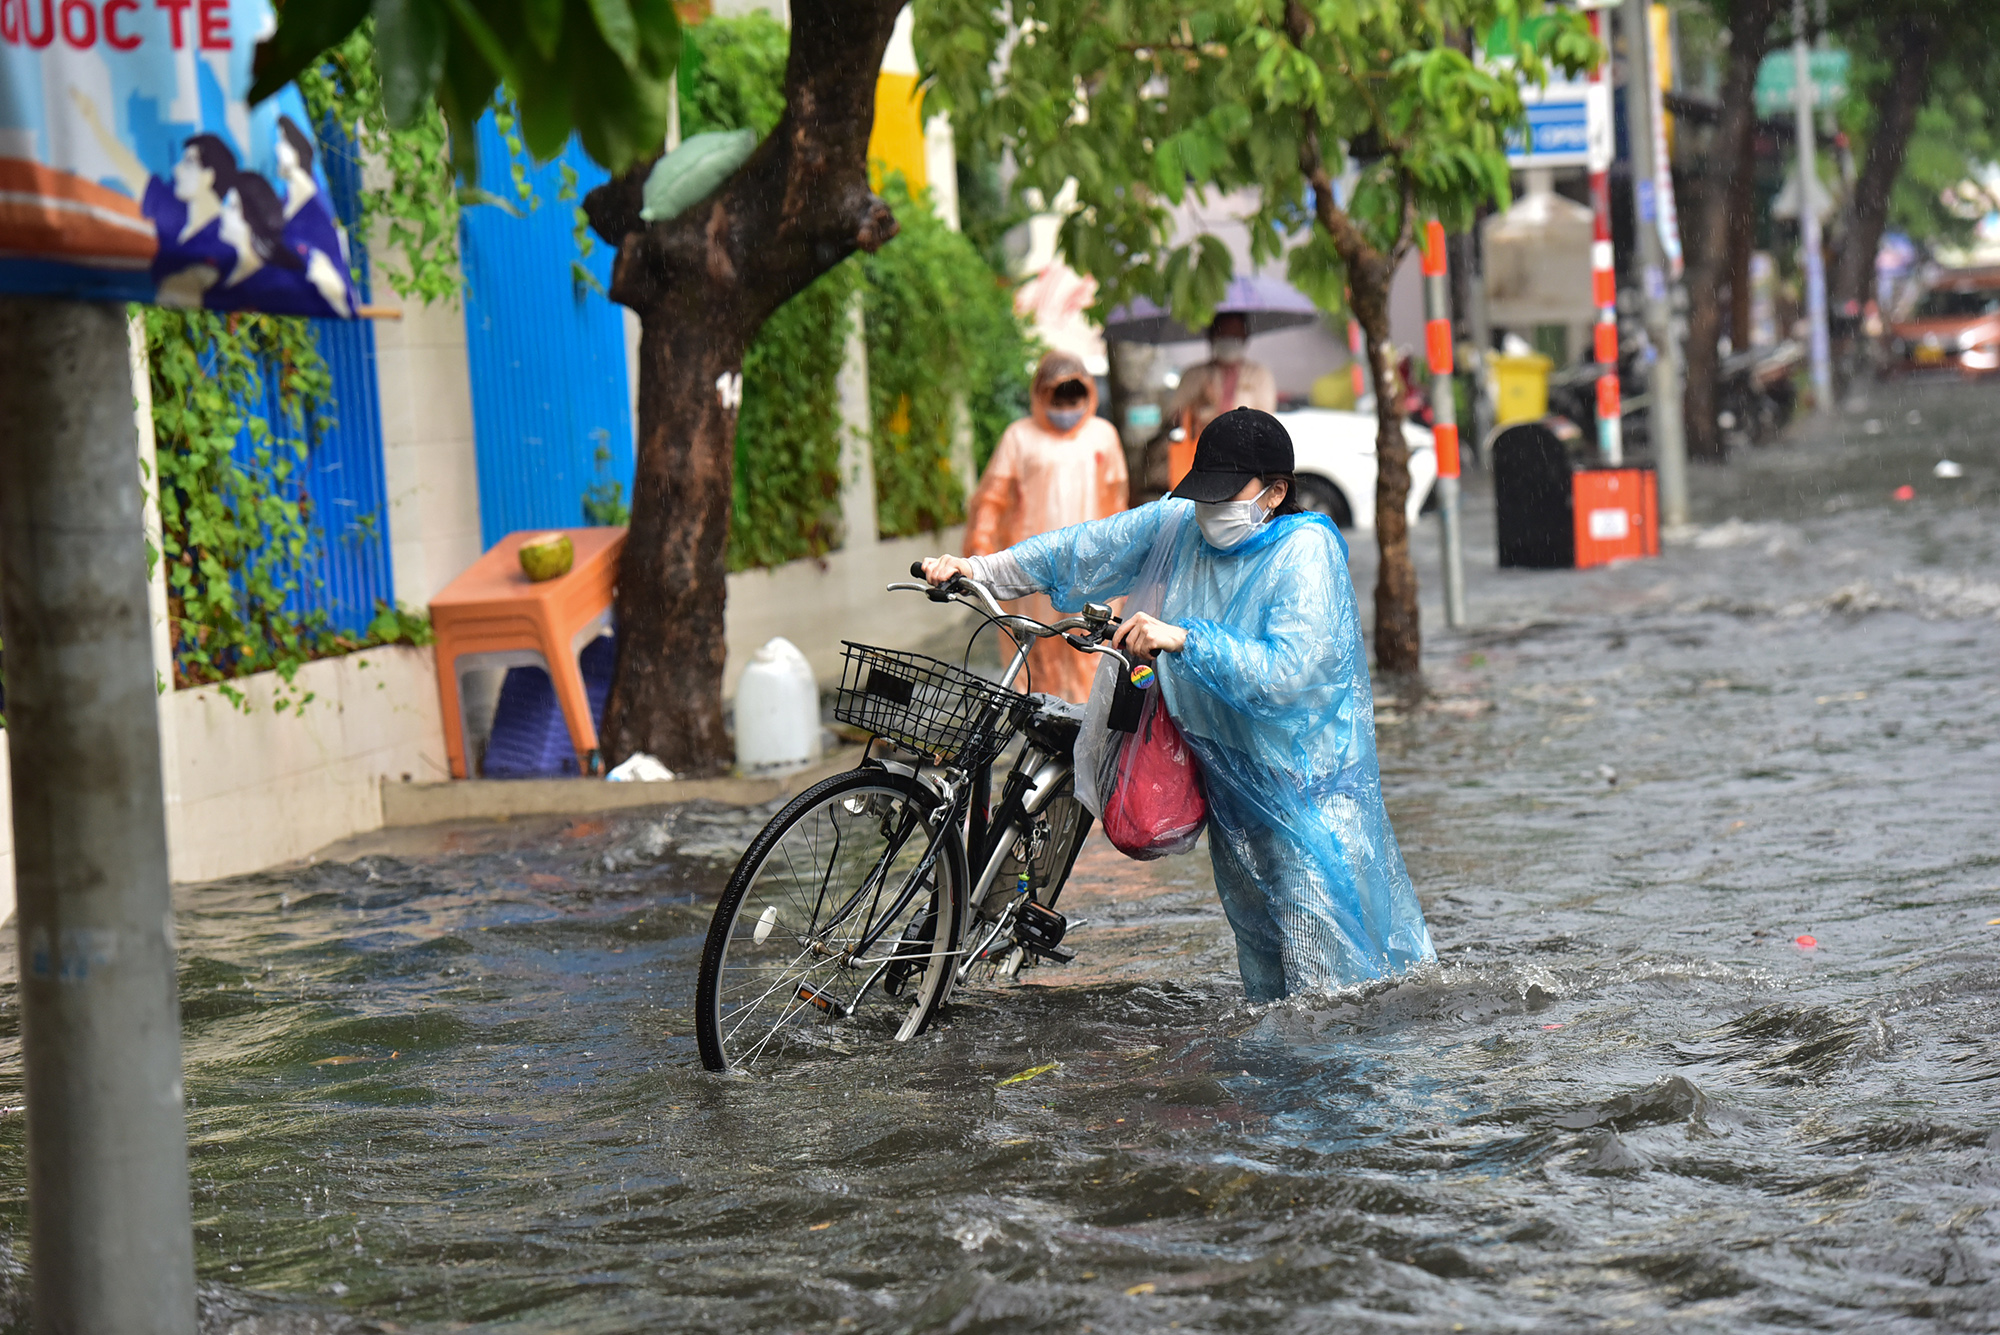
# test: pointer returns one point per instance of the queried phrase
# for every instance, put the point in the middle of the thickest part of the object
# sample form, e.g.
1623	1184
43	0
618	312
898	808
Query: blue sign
1557	135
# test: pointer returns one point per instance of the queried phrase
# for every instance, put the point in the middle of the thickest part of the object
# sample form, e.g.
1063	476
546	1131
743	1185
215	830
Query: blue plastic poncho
1272	692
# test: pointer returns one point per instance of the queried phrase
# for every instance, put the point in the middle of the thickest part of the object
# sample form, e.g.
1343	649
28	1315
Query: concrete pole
1444	417
1813	259
1601	138
112	1251
1655	185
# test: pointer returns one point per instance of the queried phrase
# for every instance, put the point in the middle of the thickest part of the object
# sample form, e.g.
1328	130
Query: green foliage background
238	532
1957	133
937	317
939	321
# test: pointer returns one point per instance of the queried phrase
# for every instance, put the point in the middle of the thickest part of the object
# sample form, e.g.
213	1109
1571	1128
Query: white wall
428	460
817	604
255	787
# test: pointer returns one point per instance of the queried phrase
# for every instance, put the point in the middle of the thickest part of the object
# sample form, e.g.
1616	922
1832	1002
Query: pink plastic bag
1157	806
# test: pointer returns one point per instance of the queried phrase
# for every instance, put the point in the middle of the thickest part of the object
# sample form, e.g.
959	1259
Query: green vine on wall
236	532
940	323
408	190
239	401
787	479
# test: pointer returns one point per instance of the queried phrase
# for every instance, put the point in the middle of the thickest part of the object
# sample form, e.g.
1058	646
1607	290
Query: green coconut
547	556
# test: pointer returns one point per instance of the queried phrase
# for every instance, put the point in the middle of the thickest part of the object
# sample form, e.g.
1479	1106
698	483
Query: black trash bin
1532	498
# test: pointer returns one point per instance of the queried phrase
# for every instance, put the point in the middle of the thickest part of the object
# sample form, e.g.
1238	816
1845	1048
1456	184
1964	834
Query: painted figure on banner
132	169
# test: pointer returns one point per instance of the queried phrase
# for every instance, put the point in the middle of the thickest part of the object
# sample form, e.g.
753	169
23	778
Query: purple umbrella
1265	303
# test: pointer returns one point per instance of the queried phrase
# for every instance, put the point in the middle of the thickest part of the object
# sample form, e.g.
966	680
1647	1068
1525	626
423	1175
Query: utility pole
1813	259
111	1246
1659	251
1444	417
1601	145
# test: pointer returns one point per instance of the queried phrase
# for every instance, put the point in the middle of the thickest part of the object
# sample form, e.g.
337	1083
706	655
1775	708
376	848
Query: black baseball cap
1241	444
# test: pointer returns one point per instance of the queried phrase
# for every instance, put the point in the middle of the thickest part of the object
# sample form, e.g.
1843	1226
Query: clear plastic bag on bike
1144	784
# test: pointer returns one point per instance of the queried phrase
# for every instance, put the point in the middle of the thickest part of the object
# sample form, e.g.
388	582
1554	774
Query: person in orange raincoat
1060	465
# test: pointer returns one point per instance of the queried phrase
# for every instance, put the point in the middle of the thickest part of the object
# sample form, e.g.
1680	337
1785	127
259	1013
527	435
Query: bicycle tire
817	985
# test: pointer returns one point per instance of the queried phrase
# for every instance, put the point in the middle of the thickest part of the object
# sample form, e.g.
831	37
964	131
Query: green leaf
409	48
483	39
621	33
694	171
543	20
304	31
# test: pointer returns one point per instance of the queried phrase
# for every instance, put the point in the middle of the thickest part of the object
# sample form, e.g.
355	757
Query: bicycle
850	912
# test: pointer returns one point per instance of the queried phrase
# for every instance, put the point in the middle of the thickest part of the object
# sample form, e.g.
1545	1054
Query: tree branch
799	205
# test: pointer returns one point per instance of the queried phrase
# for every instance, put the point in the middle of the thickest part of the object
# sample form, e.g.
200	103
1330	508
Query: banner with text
132	169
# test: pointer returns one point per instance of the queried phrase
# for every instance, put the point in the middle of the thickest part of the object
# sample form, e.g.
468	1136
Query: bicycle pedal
1053	954
1039	930
813	997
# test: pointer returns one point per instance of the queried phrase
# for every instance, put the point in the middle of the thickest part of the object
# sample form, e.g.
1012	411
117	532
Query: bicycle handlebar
958	587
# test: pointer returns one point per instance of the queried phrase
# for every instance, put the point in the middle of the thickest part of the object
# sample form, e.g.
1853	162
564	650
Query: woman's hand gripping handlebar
949	579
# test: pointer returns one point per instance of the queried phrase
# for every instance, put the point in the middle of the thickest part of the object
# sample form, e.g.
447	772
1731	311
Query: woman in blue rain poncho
1259	654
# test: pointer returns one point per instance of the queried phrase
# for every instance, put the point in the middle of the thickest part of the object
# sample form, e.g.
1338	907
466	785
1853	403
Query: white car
1334	454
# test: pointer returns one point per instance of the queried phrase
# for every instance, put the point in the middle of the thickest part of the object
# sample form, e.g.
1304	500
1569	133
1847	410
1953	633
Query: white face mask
1065	419
1226	524
1227	350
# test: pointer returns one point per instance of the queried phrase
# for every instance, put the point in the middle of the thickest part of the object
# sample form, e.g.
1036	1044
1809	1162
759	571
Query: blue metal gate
552	416
350	570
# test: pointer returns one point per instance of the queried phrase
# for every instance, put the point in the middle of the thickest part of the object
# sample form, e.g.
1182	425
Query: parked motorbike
1758	392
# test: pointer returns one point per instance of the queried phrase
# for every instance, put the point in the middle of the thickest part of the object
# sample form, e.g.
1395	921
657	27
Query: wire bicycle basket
925	705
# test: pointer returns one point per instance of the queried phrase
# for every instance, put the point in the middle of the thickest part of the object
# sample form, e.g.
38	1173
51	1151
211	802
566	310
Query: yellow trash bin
1523	385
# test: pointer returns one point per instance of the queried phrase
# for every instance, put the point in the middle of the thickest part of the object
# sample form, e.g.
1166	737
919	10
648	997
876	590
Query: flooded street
1708	846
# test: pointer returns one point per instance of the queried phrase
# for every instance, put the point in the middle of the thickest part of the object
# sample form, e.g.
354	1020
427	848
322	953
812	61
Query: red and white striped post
1444	417
1601	144
1356	364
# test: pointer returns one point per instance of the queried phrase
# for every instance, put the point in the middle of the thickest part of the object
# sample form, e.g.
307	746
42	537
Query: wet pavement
1708	848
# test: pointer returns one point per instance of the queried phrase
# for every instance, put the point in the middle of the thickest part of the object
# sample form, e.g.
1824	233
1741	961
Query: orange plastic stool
493	616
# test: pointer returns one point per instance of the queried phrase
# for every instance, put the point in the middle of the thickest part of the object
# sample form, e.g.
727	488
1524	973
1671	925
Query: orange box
1617	515
494	616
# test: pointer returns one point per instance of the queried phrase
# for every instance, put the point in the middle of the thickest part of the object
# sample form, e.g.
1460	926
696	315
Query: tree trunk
1911	46
1398	630
702	284
1742	189
1749	38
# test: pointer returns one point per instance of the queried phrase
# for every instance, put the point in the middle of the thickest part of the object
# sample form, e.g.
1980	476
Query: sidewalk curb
411	804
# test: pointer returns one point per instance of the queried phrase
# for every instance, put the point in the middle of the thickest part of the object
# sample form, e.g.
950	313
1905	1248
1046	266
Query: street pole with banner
130	189
1660	259
1811	257
1602	140
1444	418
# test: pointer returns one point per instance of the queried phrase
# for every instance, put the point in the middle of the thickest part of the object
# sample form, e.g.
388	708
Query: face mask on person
1227	350
1226	524
1065	419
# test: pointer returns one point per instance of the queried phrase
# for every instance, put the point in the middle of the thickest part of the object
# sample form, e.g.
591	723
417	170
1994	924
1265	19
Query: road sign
1777	79
1557	133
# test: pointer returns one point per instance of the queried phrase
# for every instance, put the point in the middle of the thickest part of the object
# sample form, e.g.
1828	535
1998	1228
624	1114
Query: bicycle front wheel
838	927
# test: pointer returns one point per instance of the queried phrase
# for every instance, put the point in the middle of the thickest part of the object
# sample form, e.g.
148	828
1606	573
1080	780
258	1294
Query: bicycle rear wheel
838	927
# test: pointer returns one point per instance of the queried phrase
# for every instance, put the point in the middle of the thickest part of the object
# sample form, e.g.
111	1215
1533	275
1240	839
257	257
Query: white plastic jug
777	711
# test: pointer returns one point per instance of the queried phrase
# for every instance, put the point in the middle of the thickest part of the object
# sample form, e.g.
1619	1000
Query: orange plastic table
493	616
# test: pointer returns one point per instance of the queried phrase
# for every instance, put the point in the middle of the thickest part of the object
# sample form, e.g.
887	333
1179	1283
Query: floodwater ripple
1707	847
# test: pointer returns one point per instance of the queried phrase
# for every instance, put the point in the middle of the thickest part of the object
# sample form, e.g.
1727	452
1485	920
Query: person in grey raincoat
1259	652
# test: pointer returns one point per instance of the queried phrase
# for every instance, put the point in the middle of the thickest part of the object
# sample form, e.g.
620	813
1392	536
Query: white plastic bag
639	767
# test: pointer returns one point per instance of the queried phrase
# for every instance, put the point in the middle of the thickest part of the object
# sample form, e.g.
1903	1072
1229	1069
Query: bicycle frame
1037	774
